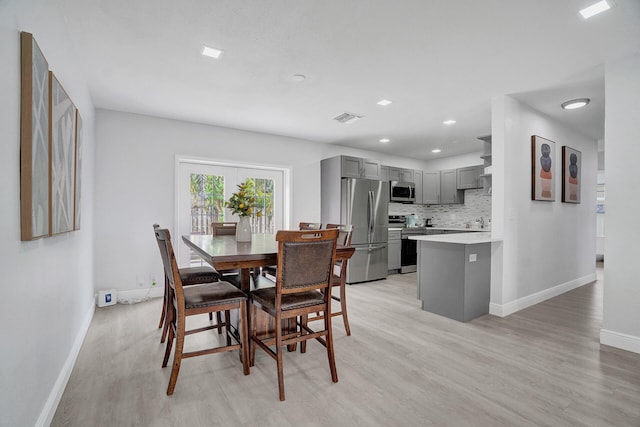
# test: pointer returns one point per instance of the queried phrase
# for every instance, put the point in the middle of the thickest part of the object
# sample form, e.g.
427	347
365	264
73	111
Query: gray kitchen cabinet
469	177
384	173
394	244
449	193
355	167
417	179
399	174
431	187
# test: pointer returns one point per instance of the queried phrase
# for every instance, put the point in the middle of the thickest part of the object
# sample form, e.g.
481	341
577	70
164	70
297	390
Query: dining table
225	253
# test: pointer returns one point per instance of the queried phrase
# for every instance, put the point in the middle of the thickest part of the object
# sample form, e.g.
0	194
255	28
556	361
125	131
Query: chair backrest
305	260
170	266
226	228
310	226
344	238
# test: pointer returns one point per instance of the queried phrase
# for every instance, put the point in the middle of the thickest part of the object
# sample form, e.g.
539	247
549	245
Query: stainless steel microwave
402	192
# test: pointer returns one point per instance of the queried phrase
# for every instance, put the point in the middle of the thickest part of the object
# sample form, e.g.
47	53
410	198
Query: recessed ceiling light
437	150
385	140
384	102
449	122
595	9
211	52
575	103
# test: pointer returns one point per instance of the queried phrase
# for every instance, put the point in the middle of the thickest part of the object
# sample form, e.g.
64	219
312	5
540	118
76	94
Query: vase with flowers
243	204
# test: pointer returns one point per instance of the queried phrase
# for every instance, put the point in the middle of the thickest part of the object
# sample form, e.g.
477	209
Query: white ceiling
435	59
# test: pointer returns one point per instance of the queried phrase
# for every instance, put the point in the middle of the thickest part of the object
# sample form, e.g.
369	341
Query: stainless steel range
408	248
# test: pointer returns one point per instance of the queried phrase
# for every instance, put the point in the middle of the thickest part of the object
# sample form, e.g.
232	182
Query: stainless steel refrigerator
364	203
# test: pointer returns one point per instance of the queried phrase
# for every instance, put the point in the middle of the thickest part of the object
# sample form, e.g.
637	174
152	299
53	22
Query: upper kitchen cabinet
417	179
355	167
398	174
430	187
384	173
449	192
469	177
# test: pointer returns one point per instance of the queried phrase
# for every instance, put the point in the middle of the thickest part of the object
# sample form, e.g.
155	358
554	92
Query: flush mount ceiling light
385	140
437	150
298	78
384	102
575	103
211	52
595	9
449	122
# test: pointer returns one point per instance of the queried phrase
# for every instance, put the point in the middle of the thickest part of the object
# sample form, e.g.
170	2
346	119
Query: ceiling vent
347	118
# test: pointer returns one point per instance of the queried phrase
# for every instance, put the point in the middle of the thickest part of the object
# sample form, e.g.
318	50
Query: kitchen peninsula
454	274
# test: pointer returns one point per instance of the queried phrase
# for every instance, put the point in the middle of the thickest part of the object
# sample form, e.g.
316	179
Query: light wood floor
402	366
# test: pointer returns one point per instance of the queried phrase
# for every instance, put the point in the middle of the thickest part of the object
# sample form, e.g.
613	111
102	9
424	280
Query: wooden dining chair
309	226
227	228
271	269
199	299
305	264
339	278
189	276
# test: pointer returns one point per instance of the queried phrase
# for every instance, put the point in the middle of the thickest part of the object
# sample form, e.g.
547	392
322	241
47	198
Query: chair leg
343	306
330	353
244	336
167	351
177	359
227	325
303	321
164	303
279	357
252	333
219	320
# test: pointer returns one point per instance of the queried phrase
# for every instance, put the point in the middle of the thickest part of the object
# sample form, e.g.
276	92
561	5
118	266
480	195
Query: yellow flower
241	205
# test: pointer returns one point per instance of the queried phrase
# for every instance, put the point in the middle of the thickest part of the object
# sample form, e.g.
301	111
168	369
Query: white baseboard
49	410
139	295
620	340
503	310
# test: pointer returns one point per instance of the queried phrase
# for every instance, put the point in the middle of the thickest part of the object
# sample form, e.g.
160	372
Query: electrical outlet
473	257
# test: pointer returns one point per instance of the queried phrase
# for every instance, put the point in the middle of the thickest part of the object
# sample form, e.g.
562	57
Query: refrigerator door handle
371	216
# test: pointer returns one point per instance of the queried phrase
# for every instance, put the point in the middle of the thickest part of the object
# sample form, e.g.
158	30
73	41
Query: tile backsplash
476	205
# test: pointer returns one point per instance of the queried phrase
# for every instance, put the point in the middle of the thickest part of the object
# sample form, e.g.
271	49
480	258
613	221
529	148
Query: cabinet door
394	254
394	174
406	175
351	167
417	178
468	177
370	169
430	187
448	186
384	173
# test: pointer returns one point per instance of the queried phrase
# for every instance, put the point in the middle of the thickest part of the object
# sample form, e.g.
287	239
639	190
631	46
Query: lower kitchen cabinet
394	245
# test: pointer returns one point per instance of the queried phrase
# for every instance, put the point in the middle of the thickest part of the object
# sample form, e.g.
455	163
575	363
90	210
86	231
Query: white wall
621	324
135	158
47	285
454	162
548	247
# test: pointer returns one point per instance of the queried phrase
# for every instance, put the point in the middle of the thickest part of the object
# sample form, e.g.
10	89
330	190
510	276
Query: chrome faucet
481	222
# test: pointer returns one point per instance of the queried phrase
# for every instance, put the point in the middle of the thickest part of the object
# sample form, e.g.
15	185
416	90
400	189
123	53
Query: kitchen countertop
458	238
459	229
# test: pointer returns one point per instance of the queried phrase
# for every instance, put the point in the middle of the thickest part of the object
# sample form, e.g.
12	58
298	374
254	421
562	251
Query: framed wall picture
571	168
34	141
78	171
63	158
543	158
